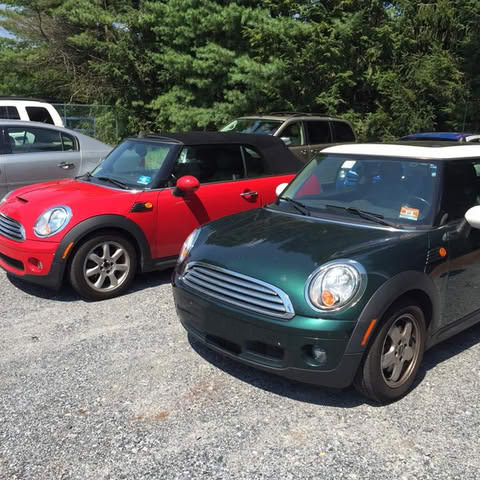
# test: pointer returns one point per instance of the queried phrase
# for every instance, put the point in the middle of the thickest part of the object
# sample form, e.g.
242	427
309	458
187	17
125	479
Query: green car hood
284	249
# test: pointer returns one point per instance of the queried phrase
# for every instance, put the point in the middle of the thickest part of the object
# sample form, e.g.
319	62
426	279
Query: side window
254	163
460	188
210	163
10	113
68	142
318	132
342	132
39	114
28	140
294	132
4	147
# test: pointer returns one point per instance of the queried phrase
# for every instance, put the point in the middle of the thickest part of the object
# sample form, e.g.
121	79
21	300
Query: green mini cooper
370	256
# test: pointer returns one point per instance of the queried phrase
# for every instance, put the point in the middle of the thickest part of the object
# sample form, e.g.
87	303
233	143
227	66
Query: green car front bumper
281	347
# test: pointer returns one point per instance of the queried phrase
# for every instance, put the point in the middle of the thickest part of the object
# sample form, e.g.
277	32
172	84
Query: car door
293	134
224	190
39	154
463	286
319	135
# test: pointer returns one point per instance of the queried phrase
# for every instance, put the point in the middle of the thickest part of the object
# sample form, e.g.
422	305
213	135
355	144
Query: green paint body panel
284	249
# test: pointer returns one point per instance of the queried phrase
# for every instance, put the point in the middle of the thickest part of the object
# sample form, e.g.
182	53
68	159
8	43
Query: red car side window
212	163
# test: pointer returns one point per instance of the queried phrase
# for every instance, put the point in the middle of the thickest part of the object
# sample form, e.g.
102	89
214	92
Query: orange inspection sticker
409	213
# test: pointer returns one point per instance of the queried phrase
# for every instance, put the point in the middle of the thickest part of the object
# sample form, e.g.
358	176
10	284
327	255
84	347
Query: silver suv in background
304	133
29	109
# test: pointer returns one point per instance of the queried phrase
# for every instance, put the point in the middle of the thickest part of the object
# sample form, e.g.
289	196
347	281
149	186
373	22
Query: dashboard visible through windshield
133	164
397	192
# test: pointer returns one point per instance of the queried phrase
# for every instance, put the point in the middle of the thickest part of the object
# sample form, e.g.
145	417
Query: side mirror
473	216
186	185
280	188
286	140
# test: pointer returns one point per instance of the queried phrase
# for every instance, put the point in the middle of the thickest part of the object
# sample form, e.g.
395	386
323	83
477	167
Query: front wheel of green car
394	356
103	267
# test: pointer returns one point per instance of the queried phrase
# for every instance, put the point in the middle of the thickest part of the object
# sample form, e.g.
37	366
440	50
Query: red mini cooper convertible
133	212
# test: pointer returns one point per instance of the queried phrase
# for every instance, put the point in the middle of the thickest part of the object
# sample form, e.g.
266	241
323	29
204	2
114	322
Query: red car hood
85	199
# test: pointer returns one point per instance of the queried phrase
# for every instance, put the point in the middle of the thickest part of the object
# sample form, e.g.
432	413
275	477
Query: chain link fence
102	122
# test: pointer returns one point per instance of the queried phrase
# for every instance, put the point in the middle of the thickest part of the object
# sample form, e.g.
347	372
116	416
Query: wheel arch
101	224
411	284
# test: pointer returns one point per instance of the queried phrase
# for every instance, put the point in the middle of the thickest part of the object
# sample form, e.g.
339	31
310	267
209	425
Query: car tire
103	267
394	355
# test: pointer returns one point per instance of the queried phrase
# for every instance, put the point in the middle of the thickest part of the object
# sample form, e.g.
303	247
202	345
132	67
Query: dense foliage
390	67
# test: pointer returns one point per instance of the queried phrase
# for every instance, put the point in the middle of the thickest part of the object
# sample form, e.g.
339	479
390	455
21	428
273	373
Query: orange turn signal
328	299
443	252
368	332
67	250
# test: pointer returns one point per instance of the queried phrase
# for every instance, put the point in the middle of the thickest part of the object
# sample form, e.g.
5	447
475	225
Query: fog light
319	354
35	265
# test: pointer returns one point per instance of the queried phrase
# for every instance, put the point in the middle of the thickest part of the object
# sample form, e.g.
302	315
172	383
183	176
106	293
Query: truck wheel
393	358
103	267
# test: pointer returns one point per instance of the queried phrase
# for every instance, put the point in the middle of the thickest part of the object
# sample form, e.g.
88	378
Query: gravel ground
115	390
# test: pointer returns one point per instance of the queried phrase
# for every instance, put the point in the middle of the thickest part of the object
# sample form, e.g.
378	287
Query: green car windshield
400	192
253	125
133	164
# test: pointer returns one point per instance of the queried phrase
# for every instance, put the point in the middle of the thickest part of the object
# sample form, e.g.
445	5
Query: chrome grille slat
230	286
11	229
236	280
237	289
218	290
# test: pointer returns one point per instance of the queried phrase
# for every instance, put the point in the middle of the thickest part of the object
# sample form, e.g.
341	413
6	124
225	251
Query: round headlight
4	198
52	221
188	245
335	285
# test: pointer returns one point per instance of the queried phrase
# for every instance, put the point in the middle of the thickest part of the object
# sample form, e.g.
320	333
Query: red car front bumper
32	261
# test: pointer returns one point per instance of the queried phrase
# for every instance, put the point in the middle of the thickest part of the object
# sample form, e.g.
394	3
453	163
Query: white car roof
407	151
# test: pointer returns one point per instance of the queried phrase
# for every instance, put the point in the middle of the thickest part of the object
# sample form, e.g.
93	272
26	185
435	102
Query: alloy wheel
106	266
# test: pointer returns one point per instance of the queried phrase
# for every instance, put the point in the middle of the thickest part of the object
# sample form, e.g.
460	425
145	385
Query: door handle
65	165
249	194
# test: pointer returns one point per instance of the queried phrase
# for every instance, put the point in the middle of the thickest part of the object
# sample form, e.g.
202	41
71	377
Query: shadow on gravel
67	294
301	392
448	349
347	398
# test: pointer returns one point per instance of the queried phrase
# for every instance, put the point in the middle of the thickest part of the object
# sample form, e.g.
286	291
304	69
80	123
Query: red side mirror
188	184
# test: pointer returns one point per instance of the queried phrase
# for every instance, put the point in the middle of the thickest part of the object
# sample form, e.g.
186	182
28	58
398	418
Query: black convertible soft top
278	158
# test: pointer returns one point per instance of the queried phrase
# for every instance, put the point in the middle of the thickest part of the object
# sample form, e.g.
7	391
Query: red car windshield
133	164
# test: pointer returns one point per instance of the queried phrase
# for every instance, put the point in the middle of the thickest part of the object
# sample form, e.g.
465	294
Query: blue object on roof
447	136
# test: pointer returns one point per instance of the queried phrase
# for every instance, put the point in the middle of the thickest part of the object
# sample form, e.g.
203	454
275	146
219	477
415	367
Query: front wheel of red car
394	357
103	267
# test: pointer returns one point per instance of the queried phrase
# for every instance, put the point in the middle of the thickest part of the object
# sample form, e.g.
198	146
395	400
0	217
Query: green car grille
239	290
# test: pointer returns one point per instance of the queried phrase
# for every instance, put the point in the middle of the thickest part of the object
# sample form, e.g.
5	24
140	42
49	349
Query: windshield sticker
349	163
409	213
144	180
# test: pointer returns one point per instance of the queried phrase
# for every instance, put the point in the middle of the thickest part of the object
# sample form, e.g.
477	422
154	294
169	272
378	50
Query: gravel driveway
115	390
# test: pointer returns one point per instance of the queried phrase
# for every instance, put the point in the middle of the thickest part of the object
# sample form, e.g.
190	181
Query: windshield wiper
86	175
374	217
299	206
118	183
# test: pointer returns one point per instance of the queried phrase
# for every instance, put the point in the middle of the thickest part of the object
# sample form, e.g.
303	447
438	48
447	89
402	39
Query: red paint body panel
165	226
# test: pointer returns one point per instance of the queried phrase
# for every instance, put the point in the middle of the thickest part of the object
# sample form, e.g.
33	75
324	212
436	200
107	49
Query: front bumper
32	261
280	347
